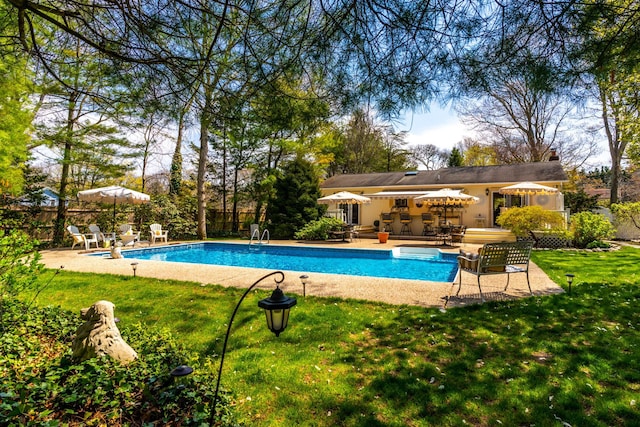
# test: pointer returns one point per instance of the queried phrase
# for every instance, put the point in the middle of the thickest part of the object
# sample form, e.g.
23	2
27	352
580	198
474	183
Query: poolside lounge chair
128	236
157	233
79	238
103	238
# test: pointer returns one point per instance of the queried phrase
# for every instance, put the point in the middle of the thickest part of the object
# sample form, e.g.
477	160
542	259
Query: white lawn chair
158	234
103	238
79	238
128	236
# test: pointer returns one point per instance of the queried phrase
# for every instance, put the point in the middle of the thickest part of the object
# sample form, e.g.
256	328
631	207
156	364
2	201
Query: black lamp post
570	280
276	307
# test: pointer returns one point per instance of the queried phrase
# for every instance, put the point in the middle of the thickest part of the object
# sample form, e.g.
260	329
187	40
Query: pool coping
392	291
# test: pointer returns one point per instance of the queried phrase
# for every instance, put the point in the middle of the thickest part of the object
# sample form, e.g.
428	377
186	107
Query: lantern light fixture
276	307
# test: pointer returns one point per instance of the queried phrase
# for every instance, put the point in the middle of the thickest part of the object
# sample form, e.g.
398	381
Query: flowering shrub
589	229
521	221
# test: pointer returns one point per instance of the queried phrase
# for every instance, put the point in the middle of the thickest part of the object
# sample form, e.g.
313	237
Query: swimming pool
401	263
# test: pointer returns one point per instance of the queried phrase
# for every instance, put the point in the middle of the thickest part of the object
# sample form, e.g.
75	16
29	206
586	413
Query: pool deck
393	291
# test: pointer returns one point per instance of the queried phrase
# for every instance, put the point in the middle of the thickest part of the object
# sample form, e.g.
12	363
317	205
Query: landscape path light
134	265
569	280
303	279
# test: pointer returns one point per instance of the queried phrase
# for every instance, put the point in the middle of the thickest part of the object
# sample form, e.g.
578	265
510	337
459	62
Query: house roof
540	172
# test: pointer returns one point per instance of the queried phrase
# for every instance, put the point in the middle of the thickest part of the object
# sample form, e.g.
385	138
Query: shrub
318	229
598	244
521	221
588	227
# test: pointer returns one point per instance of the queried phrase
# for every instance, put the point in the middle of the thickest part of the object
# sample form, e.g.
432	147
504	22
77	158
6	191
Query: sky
438	126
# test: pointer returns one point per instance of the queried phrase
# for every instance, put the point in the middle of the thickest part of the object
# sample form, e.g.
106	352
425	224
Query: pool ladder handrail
258	237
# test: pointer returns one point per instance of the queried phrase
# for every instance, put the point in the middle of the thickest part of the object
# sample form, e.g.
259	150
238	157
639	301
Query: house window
401	204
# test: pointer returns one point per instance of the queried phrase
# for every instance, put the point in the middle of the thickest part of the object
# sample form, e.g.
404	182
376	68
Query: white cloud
438	127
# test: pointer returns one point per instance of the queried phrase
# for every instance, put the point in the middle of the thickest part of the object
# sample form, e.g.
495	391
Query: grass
544	361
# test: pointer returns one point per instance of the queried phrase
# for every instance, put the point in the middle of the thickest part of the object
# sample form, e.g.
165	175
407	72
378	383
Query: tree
15	124
429	156
618	98
294	202
364	146
580	201
477	153
526	120
607	58
629	211
75	121
455	159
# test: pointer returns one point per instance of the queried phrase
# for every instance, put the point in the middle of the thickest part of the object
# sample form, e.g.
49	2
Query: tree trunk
61	214
616	145
205	121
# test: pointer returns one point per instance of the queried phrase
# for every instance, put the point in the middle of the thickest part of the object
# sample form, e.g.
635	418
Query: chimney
554	156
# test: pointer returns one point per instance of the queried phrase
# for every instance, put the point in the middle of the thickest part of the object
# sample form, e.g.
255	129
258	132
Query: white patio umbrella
114	194
344	198
446	198
527	188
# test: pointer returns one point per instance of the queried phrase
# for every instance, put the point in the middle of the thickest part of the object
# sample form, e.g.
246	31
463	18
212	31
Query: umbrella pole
114	214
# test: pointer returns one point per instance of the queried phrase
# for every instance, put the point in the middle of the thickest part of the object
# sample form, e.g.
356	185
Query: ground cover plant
568	359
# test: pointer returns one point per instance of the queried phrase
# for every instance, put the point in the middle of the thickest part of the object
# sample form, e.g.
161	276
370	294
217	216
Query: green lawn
570	358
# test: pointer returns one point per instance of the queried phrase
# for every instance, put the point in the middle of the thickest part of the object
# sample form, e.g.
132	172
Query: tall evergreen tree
294	202
456	159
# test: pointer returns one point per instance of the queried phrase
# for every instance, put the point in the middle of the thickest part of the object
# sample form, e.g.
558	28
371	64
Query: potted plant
383	236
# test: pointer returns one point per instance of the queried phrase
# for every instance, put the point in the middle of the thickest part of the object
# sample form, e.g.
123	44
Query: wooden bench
496	258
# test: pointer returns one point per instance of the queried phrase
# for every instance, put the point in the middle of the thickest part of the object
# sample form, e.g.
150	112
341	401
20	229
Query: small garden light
303	279
134	265
180	372
570	280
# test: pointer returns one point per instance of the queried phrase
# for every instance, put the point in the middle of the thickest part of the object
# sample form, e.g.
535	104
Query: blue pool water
403	263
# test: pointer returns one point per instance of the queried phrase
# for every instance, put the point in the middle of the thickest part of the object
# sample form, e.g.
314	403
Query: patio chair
79	238
457	233
128	236
103	238
158	234
353	232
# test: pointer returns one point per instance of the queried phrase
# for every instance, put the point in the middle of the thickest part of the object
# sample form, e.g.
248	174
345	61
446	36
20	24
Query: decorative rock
116	250
99	335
